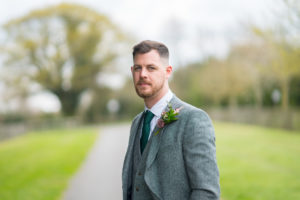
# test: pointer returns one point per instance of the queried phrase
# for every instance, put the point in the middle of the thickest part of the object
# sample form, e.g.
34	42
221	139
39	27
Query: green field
38	165
258	163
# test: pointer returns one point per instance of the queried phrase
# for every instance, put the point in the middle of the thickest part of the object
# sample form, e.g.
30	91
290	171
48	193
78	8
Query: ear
169	70
131	69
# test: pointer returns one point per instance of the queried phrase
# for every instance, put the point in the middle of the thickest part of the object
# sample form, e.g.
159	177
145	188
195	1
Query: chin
144	94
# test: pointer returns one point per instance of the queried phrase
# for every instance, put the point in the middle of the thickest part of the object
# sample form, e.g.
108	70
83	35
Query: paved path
99	178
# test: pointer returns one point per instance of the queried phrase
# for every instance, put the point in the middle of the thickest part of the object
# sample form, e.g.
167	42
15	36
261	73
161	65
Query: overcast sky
216	21
191	28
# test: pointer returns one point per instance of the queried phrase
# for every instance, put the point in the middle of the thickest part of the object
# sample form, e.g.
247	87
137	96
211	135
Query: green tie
146	129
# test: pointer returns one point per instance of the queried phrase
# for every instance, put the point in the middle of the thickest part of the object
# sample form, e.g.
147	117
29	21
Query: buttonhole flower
167	117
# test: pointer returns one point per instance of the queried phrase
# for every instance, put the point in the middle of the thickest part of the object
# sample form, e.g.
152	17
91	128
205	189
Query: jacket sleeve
199	152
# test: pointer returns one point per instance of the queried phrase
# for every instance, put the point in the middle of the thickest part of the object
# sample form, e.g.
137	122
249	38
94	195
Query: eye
137	68
151	68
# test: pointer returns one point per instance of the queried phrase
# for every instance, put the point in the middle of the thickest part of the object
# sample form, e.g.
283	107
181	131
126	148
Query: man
171	152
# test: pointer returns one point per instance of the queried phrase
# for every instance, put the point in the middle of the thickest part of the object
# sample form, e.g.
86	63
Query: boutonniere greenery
167	117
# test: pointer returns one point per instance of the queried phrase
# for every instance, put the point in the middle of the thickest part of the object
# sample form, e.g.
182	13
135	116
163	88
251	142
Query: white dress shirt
158	108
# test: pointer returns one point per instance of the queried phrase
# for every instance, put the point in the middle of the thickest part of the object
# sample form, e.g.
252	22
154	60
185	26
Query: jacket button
139	173
137	189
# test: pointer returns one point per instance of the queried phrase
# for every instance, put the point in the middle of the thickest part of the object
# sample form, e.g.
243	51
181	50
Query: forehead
151	57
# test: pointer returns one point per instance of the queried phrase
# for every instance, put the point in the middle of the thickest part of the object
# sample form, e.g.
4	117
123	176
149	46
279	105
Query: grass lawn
255	163
38	165
258	163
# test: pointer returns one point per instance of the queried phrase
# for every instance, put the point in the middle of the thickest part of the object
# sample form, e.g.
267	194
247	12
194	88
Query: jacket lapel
154	147
156	138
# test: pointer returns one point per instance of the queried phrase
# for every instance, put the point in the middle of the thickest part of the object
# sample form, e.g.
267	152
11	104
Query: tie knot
148	116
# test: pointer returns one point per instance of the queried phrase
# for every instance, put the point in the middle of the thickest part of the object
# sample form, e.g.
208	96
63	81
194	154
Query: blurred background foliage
64	50
74	56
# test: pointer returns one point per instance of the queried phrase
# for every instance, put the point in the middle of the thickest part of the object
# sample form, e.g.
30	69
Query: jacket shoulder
191	111
138	116
136	120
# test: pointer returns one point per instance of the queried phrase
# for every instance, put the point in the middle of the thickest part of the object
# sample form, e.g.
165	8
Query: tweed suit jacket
181	161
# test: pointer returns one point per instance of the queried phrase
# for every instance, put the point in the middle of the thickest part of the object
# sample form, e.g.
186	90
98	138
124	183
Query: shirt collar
159	107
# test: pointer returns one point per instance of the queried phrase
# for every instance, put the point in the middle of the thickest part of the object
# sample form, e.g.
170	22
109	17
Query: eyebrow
151	64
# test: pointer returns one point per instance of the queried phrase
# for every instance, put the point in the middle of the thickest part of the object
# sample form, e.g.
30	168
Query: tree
224	79
282	42
62	48
248	55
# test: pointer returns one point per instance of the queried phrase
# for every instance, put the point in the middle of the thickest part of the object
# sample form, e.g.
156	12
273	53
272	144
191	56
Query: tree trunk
286	114
232	102
258	97
285	94
69	101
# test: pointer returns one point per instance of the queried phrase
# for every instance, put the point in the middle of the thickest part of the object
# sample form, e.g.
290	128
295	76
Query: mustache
143	82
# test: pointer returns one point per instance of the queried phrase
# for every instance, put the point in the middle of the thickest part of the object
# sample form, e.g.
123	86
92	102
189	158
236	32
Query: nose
143	73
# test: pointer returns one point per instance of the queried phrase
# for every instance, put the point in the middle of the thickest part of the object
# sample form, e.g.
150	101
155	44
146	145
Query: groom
171	153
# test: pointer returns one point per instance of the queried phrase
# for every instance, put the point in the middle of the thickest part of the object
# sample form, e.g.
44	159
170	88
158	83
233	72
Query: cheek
162	76
158	79
135	77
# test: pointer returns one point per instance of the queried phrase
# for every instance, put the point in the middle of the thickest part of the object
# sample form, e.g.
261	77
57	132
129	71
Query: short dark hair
148	45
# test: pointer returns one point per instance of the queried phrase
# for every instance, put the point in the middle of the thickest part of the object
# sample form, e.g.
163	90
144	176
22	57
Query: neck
151	101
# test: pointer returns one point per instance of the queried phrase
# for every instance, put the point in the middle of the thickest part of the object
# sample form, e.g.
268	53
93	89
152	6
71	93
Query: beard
150	91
